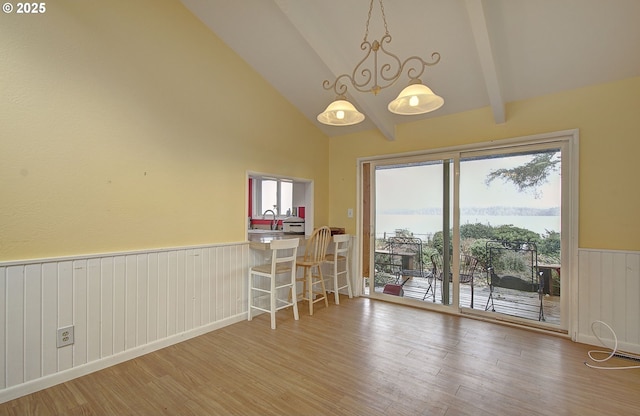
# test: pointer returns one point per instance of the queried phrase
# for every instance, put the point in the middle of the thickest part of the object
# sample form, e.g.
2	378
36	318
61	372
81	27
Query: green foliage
550	244
427	252
403	233
510	233
474	240
530	175
478	249
504	261
476	231
514	263
438	241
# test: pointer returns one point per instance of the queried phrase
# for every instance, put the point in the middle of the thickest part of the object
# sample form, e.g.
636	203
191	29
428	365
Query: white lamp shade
415	99
340	113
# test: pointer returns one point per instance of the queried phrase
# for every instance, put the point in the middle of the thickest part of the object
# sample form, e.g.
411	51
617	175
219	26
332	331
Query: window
272	194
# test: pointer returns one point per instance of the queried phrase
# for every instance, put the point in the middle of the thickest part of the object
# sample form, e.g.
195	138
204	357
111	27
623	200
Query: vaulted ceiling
492	51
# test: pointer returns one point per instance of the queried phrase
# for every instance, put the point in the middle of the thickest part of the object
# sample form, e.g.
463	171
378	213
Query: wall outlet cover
65	336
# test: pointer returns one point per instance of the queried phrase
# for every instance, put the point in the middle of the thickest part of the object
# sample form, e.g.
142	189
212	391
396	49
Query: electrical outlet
65	336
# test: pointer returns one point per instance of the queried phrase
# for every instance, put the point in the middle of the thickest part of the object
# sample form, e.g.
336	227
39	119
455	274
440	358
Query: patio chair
468	266
529	252
407	257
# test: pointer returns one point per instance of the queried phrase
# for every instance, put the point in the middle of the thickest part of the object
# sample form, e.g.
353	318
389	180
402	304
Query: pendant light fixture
341	113
414	99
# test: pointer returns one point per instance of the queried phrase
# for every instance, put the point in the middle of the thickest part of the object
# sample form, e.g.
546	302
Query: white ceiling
492	51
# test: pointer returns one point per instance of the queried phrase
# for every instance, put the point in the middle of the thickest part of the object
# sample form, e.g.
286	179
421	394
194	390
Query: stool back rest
341	242
316	247
284	251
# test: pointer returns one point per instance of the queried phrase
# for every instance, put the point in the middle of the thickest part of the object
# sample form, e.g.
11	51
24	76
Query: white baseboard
42	383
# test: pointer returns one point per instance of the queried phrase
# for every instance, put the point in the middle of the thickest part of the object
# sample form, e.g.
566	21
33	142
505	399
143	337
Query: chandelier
417	98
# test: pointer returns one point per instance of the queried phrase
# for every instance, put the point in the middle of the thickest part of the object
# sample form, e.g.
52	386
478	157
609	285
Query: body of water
429	224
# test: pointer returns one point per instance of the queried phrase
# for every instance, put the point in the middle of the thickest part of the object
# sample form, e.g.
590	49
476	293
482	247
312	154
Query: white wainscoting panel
609	291
125	305
121	306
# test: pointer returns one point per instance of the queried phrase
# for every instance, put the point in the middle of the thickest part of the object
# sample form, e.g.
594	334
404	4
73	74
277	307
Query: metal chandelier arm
368	76
418	70
366	79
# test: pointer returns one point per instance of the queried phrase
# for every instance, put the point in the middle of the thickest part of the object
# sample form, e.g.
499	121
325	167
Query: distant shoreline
493	211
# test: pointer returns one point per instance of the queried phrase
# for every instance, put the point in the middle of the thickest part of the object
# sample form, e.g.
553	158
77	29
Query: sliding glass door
477	230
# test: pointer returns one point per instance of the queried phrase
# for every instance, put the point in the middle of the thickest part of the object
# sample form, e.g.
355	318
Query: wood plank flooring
362	357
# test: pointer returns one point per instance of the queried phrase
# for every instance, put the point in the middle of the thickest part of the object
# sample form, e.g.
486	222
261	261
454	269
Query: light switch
350	213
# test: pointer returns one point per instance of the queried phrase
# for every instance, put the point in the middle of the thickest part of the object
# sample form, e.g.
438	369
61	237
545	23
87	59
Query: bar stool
314	255
283	263
340	255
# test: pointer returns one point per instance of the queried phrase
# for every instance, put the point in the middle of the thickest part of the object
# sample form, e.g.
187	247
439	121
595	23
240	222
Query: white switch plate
350	213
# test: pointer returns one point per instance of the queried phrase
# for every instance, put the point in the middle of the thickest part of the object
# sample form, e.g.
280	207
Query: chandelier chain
384	19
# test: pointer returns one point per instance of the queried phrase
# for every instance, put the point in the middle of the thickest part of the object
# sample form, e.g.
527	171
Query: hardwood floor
362	357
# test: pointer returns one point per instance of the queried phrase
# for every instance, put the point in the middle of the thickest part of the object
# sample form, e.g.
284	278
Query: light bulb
414	101
340	115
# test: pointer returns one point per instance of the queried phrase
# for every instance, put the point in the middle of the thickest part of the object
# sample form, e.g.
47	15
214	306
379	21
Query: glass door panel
412	208
510	205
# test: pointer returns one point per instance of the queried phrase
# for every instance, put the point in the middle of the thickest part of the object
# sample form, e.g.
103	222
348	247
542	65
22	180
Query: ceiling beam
478	22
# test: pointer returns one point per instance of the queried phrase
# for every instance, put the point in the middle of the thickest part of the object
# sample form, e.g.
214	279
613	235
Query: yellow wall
118	131
608	119
116	134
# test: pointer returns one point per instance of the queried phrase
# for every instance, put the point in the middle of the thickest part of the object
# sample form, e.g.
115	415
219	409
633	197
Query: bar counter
261	241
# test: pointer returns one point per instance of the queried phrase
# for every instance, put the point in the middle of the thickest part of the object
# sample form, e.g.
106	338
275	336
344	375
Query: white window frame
257	208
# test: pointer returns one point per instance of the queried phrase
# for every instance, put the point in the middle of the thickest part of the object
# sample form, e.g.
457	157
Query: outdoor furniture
545	270
534	281
468	266
406	258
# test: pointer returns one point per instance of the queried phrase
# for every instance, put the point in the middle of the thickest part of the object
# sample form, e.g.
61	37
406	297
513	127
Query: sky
421	186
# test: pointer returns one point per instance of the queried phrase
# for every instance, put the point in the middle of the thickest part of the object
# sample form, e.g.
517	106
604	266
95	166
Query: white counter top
261	241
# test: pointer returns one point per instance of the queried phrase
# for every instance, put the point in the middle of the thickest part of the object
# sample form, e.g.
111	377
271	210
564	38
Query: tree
478	249
530	175
550	244
438	242
512	234
476	230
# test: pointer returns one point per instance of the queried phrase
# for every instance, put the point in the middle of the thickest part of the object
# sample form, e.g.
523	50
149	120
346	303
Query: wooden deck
506	301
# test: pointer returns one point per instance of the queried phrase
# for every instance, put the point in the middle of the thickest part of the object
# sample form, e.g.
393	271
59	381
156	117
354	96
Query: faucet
274	223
